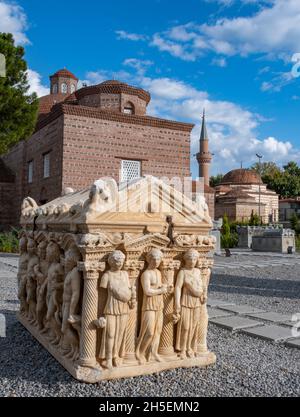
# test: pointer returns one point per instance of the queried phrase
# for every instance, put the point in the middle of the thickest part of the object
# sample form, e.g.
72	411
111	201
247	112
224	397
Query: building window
46	158
129	108
73	88
30	172
130	170
64	88
55	89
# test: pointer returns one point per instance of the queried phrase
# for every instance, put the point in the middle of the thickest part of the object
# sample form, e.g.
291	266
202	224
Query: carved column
205	266
166	346
88	340
133	267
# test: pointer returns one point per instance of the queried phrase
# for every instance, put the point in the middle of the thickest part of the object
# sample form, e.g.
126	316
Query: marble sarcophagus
113	281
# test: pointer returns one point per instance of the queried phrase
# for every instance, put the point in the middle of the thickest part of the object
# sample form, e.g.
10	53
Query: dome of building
64	73
114	87
241	177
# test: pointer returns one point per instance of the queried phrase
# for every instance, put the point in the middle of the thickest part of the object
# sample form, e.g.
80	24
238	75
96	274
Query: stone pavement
253	260
241	318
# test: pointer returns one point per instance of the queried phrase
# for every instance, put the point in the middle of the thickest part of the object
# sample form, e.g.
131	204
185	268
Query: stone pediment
146	203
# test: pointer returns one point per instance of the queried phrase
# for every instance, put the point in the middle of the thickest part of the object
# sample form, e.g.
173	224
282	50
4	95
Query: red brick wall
7	193
114	102
47	139
210	201
93	148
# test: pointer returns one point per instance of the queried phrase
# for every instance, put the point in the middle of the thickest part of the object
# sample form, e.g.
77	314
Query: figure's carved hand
170	289
101	323
176	318
203	299
164	289
132	304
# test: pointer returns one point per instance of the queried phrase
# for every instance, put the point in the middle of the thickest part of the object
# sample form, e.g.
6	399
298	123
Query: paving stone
217	303
270	316
214	313
295	343
272	332
235	323
241	309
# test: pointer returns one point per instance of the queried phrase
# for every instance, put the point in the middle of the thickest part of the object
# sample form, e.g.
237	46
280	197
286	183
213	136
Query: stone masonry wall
48	139
94	148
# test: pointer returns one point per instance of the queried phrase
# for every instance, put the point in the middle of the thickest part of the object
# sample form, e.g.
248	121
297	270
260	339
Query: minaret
204	157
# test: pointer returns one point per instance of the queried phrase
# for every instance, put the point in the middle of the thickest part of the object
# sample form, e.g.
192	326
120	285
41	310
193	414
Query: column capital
170	265
134	265
92	269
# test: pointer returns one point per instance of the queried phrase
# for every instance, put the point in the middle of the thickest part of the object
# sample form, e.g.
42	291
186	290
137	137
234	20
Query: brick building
242	192
82	135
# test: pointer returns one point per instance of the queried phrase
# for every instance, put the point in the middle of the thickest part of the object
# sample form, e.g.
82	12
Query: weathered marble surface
114	283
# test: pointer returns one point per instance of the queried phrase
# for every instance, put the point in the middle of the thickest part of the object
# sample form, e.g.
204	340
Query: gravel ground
245	366
274	288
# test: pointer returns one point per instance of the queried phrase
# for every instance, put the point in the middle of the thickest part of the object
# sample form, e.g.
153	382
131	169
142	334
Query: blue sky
232	57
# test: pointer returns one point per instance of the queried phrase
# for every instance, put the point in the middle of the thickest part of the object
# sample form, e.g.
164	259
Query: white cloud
273	29
122	34
13	20
278	82
232	128
219	62
139	65
35	82
174	48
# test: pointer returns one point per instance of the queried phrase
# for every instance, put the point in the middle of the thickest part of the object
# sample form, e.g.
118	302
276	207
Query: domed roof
64	73
47	102
113	87
241	176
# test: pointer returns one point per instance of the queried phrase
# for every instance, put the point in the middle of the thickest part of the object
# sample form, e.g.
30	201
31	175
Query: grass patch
9	242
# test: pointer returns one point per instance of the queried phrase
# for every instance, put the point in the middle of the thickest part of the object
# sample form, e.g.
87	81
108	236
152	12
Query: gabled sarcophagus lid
111	277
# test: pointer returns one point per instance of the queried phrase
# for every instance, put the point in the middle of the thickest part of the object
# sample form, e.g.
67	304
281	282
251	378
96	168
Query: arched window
55	89
129	108
64	88
73	88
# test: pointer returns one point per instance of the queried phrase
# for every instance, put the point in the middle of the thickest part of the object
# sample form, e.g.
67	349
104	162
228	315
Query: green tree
292	169
215	180
295	223
254	219
266	169
284	182
18	108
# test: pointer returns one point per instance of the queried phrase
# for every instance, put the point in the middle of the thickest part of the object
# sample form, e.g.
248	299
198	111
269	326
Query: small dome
64	73
114	87
241	176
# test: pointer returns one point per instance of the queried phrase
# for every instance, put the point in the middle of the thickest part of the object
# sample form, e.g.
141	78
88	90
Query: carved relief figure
54	290
22	274
31	280
152	309
189	297
70	307
41	271
120	298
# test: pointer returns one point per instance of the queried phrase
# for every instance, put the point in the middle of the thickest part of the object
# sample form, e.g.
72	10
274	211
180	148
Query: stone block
214	313
273	333
294	343
271	316
234	323
242	309
212	302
